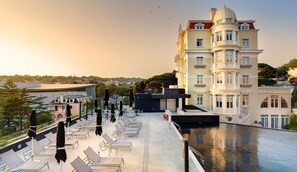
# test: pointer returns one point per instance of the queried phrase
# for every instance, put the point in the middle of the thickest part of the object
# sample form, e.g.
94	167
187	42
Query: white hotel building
217	64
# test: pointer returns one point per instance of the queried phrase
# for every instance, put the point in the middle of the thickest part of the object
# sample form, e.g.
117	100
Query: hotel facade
217	64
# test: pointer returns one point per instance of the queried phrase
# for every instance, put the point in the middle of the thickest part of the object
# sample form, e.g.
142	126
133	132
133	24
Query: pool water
231	147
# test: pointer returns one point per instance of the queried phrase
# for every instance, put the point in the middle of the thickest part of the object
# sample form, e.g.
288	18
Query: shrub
43	118
7	131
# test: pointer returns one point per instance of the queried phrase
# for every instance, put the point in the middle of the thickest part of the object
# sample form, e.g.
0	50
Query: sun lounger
126	133
52	140
128	128
97	160
115	144
40	151
15	163
79	166
134	124
72	131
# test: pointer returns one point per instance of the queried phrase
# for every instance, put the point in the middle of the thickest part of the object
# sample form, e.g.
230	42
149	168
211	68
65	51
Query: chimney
212	13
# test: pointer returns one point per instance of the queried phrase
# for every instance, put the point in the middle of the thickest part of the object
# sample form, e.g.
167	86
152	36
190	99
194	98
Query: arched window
264	104
199	26
245	26
283	103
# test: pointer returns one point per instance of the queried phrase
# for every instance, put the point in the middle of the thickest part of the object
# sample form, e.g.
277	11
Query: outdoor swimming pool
240	148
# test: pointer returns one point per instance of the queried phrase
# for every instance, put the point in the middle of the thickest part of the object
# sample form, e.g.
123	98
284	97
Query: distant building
52	93
76	102
217	64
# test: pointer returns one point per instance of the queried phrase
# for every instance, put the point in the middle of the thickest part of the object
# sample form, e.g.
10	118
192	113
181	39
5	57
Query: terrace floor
156	149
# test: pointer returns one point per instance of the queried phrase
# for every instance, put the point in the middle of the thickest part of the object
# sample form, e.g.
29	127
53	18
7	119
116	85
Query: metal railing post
186	152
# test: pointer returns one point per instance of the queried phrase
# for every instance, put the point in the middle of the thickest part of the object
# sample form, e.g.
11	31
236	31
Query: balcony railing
225	65
245	66
200	85
245	85
200	66
225	43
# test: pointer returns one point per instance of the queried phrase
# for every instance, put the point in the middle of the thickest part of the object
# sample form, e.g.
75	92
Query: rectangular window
200	61
63	108
199	79
219	79
219	36
199	42
285	120
245	60
245	42
219	101
274	121
245	100
245	79
274	101
229	101
264	121
229	78
56	108
228	35
199	99
229	56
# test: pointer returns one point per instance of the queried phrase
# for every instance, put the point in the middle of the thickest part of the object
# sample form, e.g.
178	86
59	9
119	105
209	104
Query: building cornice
256	51
205	50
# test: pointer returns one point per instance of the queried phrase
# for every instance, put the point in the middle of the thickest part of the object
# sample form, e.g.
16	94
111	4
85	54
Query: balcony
225	65
225	43
245	66
245	85
199	66
200	85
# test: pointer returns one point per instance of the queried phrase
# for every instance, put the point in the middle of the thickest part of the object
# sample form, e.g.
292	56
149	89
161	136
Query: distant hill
48	79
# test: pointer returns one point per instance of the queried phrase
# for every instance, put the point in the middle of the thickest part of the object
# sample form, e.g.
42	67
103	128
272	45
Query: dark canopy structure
60	143
98	130
106	98
131	97
112	117
121	109
68	114
33	122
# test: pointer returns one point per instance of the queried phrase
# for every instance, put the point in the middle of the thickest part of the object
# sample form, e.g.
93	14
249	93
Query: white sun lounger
128	133
128	128
52	140
15	163
115	144
97	160
79	166
40	151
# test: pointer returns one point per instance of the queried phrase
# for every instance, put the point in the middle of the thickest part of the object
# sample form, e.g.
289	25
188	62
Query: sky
124	38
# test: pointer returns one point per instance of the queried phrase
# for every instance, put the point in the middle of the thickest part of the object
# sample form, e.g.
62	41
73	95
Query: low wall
196	120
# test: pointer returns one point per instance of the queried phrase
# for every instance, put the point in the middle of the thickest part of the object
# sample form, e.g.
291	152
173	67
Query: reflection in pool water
240	148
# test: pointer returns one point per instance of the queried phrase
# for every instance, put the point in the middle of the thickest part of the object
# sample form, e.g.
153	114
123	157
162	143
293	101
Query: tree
100	89
17	104
294	97
156	82
267	72
293	123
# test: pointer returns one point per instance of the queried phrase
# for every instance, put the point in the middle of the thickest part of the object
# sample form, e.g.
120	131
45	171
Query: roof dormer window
244	26
199	26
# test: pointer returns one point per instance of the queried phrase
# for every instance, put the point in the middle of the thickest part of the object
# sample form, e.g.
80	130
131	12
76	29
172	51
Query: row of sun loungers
15	163
92	162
